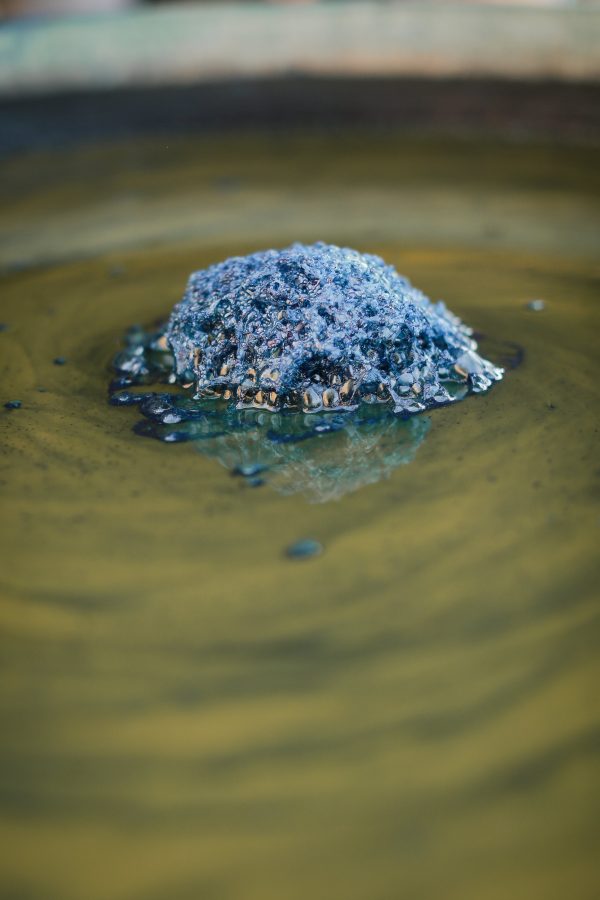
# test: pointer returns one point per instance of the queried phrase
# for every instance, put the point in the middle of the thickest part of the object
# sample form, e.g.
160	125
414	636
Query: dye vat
187	710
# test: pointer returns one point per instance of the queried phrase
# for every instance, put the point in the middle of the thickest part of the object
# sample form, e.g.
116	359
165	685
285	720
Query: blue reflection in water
322	455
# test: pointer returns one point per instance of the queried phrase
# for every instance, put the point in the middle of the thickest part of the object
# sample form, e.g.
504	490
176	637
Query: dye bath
189	712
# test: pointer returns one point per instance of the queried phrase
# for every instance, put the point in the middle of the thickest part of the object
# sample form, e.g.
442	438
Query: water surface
188	712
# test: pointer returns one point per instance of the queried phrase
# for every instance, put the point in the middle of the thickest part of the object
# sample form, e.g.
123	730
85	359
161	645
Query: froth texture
317	327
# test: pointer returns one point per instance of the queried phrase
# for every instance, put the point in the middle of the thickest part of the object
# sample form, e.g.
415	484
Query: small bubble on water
59	361
13	404
125	398
249	471
536	305
176	437
304	549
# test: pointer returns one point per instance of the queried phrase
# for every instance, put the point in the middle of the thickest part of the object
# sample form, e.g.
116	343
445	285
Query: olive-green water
188	714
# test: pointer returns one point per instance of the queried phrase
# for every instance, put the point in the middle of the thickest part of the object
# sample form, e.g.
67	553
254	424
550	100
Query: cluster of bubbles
320	327
260	341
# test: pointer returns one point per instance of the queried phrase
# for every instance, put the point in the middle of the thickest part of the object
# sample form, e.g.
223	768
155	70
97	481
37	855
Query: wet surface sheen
188	710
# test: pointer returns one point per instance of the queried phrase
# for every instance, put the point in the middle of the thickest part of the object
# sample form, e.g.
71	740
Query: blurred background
516	67
62	7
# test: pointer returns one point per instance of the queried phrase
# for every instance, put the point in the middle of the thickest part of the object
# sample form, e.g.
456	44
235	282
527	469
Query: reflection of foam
323	455
342	458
